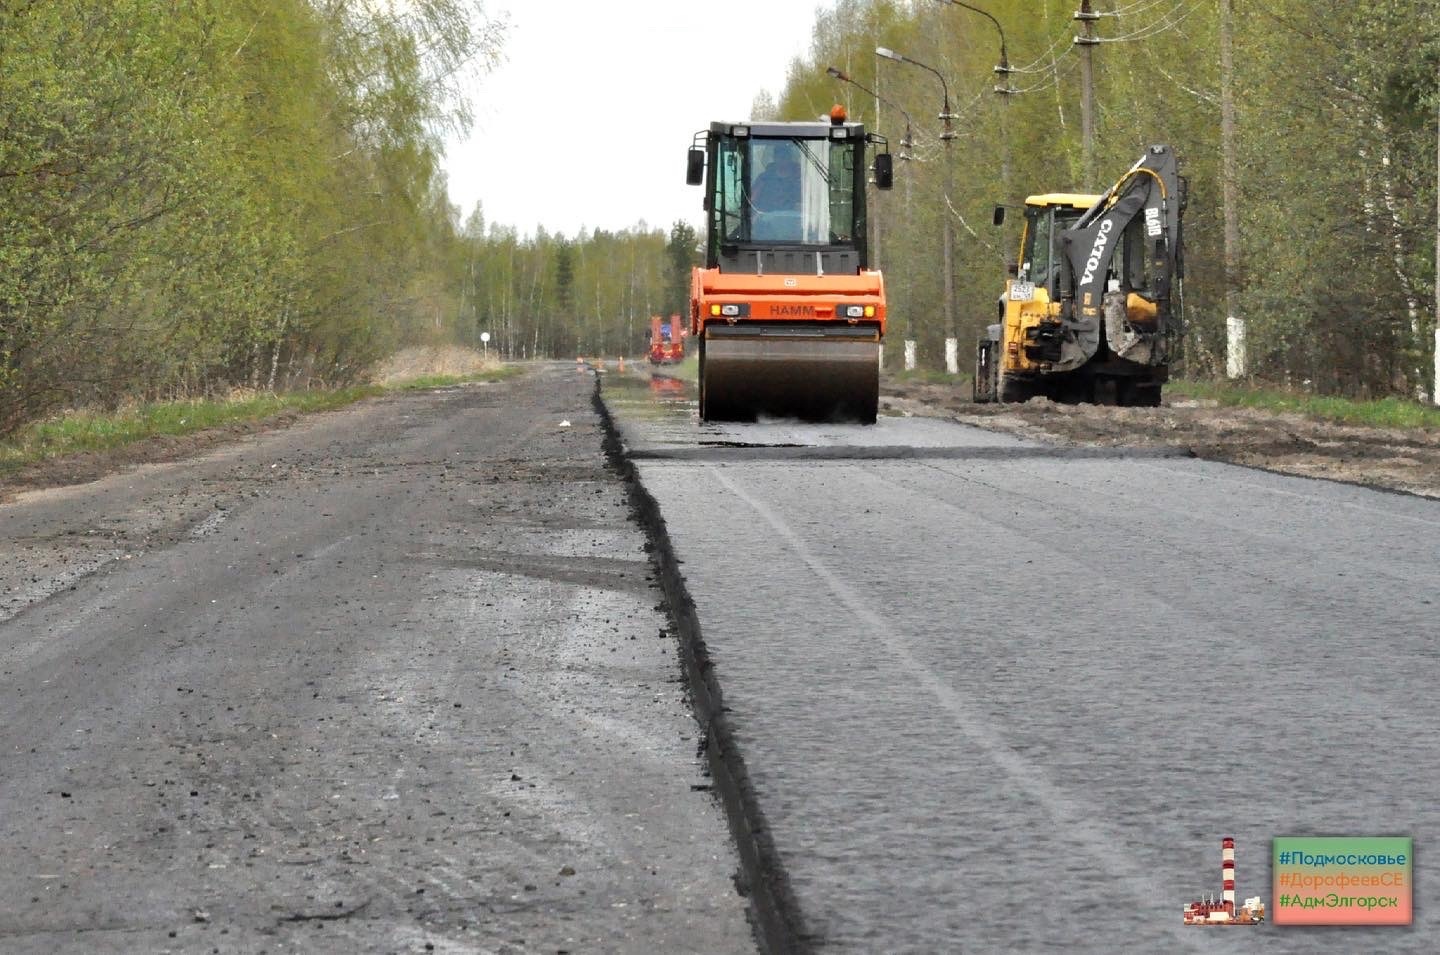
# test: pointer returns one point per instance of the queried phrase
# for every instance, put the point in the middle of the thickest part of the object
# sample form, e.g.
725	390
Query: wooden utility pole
1435	390
952	352
1229	174
875	211
1087	41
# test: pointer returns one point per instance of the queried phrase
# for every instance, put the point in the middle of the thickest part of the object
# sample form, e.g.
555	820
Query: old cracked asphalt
393	679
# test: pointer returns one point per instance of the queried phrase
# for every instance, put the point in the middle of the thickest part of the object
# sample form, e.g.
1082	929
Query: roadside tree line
227	193
1334	185
549	295
247	194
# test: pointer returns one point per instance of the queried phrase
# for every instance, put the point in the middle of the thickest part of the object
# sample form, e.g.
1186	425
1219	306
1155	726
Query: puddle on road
666	407
652	395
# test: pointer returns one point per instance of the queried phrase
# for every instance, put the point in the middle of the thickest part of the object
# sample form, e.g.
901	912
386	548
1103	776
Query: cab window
786	190
1039	241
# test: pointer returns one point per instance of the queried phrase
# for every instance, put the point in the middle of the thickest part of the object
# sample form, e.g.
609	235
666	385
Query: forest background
247	194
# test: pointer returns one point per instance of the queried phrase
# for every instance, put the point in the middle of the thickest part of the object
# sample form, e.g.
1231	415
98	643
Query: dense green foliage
225	192
1336	139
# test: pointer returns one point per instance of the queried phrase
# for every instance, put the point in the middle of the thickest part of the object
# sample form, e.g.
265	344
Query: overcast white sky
586	123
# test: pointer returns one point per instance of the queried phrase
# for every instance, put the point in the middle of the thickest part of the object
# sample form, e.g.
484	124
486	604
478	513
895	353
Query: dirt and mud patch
1397	459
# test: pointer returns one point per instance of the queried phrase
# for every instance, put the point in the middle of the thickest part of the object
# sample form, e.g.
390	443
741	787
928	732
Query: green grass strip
1381	412
927	376
81	431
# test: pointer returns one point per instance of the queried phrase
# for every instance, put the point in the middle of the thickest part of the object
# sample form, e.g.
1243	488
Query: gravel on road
394	678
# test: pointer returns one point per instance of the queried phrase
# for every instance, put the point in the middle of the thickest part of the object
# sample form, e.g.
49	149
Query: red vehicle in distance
667	340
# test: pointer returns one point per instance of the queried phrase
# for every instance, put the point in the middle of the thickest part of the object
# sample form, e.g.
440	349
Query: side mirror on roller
884	171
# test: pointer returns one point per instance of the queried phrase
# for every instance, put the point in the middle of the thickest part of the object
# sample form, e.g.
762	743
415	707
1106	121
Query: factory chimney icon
1222	911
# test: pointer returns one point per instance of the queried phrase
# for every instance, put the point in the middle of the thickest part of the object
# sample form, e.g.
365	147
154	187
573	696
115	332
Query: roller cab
788	316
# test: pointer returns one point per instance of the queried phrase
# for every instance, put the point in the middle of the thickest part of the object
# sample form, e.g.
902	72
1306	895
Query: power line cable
1177	15
1053	80
1134	9
1064	40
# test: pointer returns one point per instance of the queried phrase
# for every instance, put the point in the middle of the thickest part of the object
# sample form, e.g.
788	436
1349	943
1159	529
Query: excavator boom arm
1149	197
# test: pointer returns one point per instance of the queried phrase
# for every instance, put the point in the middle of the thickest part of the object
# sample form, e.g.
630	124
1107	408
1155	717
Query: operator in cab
777	188
775	197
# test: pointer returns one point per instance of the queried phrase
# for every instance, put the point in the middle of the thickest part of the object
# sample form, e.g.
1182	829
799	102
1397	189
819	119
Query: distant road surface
995	696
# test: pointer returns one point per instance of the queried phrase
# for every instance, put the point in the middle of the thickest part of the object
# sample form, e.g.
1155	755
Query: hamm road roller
787	313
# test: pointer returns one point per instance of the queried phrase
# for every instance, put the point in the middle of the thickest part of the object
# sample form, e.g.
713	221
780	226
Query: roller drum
812	372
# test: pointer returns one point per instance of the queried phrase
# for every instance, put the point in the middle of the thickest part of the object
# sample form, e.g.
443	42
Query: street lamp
1007	90
1003	70
952	344
945	114
844	77
906	143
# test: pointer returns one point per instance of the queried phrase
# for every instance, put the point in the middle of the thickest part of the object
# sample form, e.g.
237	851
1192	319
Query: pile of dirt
1391	458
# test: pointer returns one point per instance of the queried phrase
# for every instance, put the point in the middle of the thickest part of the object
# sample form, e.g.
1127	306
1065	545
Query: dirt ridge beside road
774	909
1392	459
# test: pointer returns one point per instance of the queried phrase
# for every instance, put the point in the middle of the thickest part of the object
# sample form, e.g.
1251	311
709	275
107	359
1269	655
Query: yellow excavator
1088	313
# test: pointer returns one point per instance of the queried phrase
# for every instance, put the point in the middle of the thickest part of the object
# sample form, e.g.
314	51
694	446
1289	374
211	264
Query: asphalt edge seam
774	910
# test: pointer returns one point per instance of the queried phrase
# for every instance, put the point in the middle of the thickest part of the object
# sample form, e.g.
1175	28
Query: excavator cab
1040	247
788	315
1040	254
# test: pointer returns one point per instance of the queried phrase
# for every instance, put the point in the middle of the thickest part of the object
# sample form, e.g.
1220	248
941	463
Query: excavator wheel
1145	396
1011	391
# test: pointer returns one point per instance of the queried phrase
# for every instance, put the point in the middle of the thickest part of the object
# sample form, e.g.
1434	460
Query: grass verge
82	431
926	376
1379	413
